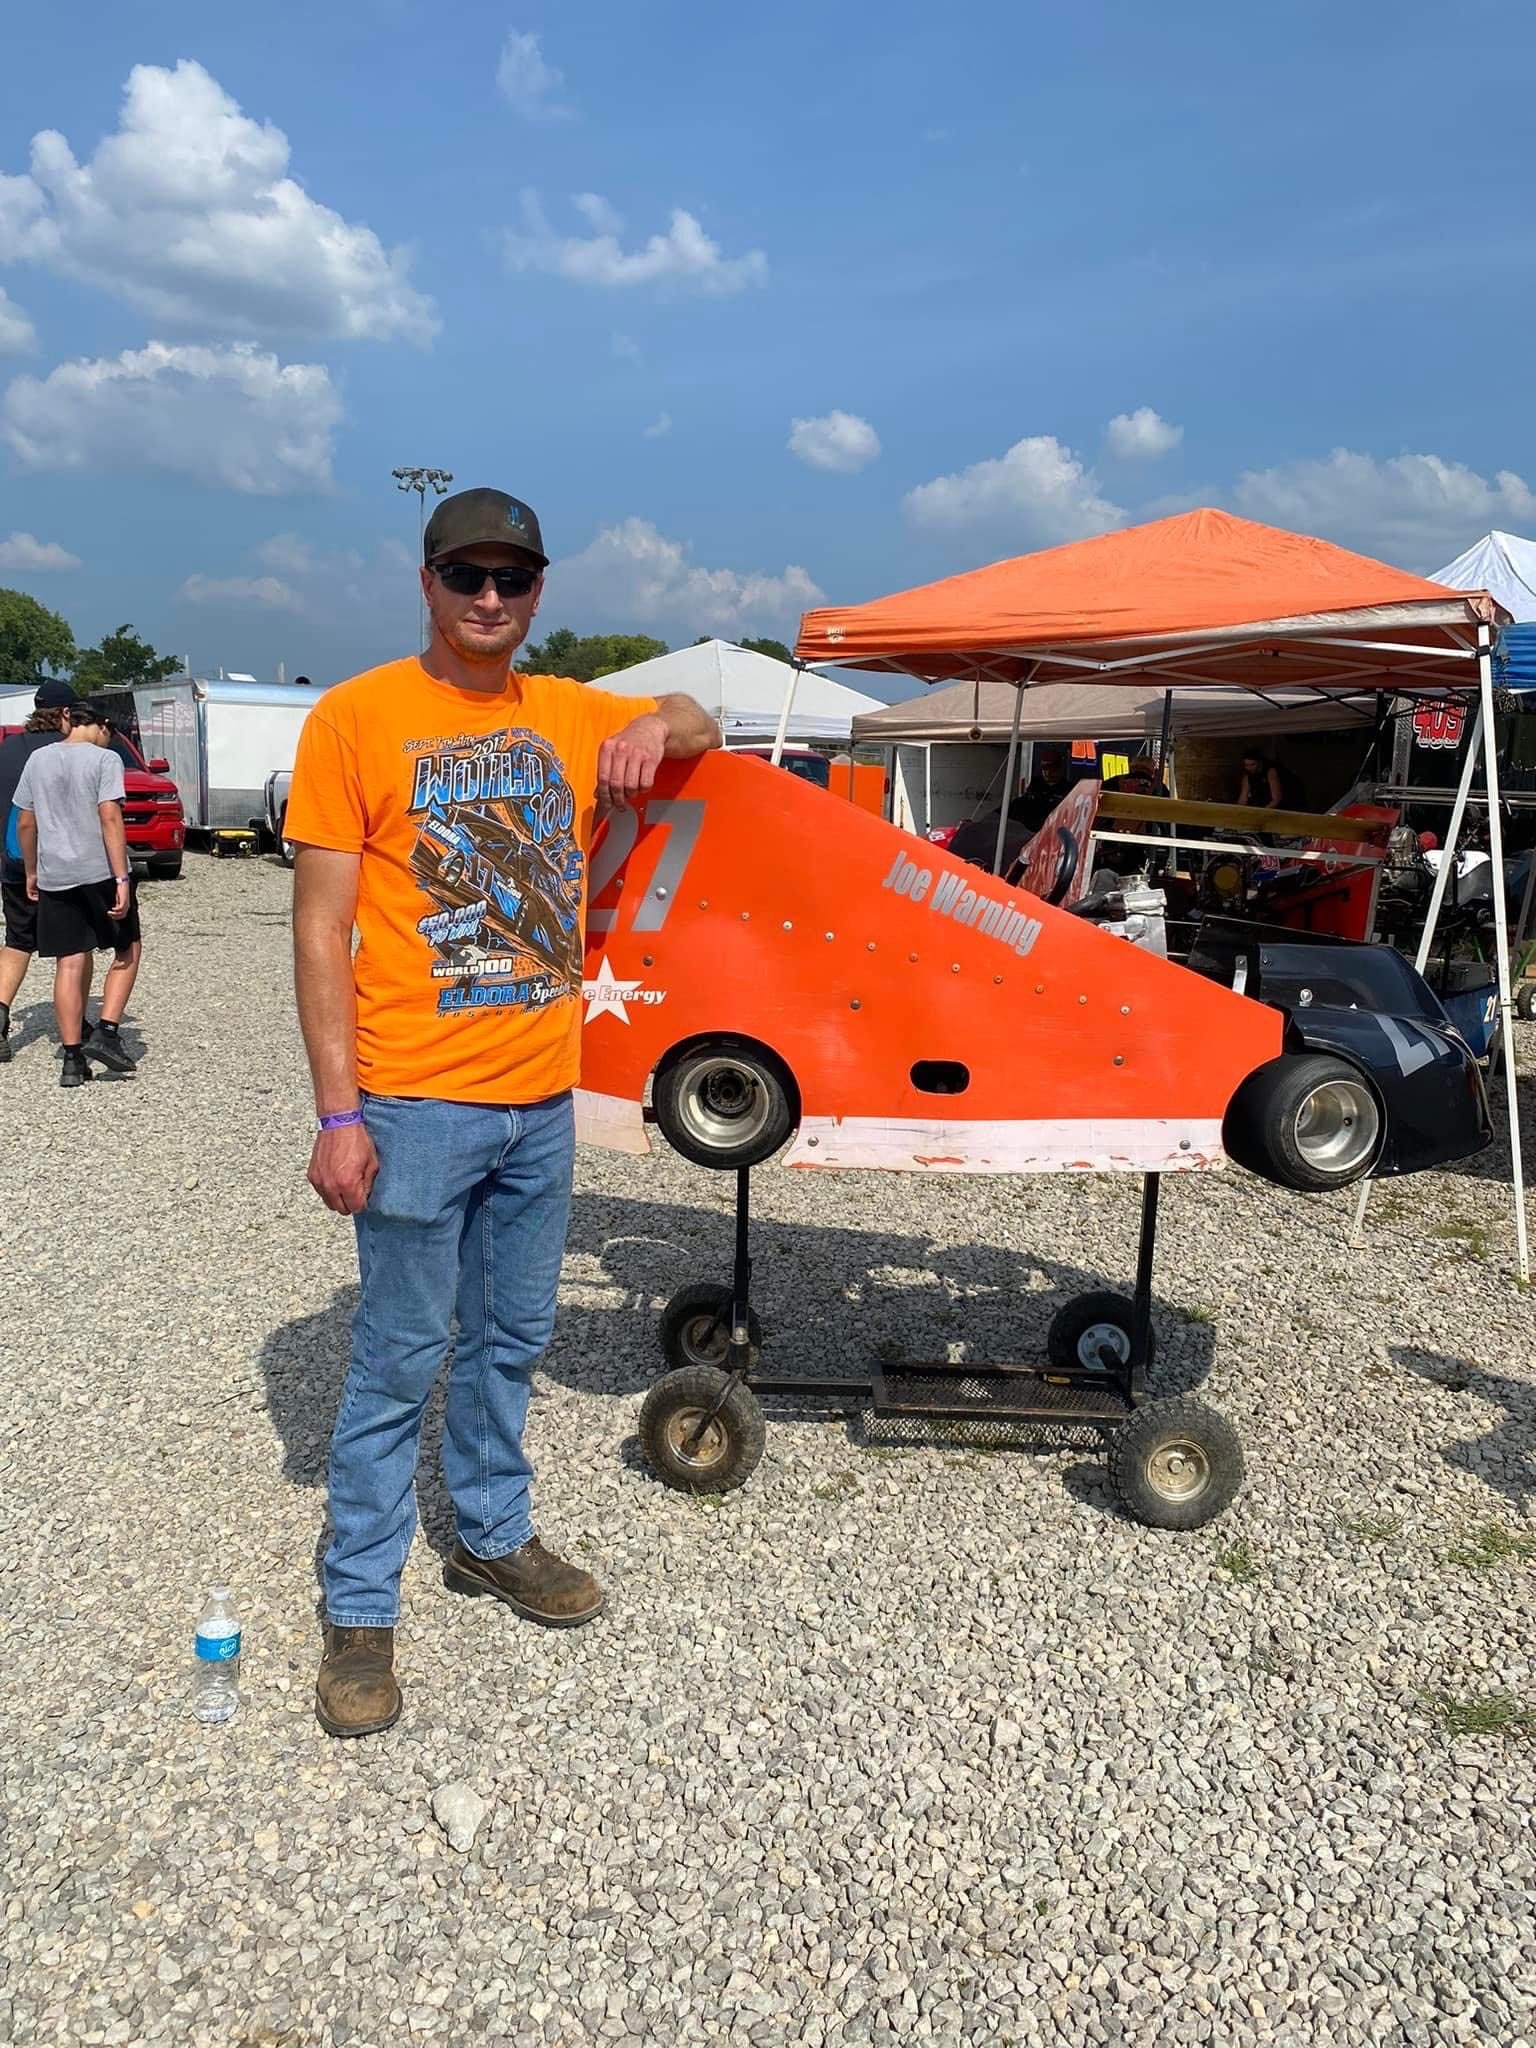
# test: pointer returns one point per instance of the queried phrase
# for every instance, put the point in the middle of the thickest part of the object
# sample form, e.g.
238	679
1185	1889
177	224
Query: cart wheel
1525	1002
1307	1121
725	1103
696	1327
1175	1464
1079	1328
726	1453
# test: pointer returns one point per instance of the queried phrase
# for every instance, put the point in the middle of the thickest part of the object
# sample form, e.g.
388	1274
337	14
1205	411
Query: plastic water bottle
216	1684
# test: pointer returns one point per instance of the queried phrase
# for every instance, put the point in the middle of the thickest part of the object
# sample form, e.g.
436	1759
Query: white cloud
838	440
634	576
28	556
529	84
263	593
305	580
232	417
683	256
1415	509
659	428
188	213
1142	435
1035	495
18	337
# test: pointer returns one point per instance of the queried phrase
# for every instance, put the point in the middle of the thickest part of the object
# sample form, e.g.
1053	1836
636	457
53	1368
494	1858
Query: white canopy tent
1502	564
746	691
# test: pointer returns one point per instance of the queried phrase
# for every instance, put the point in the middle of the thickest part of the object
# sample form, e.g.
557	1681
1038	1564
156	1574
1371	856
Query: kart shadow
1504	1456
833	1301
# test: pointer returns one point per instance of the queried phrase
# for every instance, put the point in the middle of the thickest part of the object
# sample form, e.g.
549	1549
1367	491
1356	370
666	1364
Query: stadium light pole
418	480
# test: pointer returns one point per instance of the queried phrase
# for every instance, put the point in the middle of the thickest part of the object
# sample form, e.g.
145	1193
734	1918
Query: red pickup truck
152	813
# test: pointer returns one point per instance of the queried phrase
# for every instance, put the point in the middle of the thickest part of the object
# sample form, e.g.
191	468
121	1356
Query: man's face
483	625
1051	769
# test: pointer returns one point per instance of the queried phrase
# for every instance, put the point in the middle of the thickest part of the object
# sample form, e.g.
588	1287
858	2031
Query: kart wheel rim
1337	1126
711	1448
724	1104
705	1339
1178	1470
1108	1334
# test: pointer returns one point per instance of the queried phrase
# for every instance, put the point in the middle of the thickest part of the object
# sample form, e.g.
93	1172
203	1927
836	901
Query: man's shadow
1508	1450
834	1301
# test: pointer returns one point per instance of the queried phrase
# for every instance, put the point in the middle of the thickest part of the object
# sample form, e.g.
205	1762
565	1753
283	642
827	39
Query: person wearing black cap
42	729
446	805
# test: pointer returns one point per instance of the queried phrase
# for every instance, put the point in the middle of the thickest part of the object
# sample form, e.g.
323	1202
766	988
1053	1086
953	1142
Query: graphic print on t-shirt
497	859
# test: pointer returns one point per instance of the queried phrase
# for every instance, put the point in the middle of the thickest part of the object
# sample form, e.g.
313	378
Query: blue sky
1021	272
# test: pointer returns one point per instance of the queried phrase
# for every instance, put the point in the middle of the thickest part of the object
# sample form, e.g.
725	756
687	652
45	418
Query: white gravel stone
458	1811
766	1798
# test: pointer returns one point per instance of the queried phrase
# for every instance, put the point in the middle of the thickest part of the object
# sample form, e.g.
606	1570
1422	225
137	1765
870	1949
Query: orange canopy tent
1201	598
1205	598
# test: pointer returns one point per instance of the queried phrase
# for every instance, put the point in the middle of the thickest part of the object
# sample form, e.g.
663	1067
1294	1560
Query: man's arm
343	1163
26	832
114	837
676	730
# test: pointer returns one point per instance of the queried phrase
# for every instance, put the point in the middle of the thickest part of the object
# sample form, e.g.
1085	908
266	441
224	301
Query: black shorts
20	914
80	920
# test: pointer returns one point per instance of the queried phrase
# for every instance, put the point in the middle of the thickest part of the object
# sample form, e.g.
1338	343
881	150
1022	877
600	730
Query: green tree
774	649
121	660
588	656
33	640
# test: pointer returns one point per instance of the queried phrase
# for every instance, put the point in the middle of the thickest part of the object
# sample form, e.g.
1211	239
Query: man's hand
627	763
120	901
32	885
343	1167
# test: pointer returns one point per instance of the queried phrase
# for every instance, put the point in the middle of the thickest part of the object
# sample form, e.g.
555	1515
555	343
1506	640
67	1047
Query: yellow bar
1237	817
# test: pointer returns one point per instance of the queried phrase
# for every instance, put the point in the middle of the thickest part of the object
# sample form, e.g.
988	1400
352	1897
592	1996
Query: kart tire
1306	1121
725	1103
1175	1464
1071	1342
732	1445
696	1328
1525	1002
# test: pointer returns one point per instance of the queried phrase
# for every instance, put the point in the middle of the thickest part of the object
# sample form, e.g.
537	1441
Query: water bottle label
218	1649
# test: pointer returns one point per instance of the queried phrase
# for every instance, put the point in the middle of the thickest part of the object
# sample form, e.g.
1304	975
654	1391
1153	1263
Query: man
74	848
42	729
1142	778
976	840
446	804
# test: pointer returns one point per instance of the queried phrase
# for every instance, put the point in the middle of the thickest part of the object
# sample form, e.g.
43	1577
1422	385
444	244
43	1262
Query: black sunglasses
467	579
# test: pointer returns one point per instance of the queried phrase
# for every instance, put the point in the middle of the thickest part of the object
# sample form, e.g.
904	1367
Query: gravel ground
899	1742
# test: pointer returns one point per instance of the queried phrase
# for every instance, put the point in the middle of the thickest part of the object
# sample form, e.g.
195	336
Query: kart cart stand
1173	1463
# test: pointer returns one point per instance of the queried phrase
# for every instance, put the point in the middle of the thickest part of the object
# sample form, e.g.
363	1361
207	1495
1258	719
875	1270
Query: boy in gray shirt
69	819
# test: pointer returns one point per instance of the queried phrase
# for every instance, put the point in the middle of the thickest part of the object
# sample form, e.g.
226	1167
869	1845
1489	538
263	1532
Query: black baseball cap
477	519
54	696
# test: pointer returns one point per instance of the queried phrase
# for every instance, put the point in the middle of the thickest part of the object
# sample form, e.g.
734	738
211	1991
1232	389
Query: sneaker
7	1051
103	1047
75	1072
356	1692
533	1581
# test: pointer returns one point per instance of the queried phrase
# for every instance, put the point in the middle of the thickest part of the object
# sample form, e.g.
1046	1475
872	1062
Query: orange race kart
766	966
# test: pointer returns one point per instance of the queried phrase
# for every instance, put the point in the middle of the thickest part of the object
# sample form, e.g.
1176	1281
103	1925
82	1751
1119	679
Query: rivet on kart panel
829	937
745	915
660	893
1039	988
647	959
954	967
788	925
703	903
1082	999
813	1141
1125	1009
1305	996
998	979
1183	1144
1119	1059
871	945
913	958
855	1004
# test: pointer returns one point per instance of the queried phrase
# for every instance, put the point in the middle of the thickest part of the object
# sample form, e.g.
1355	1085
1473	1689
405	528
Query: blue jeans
468	1215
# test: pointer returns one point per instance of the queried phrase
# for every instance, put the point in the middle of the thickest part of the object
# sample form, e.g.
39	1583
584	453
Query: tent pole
928	788
1501	941
1165	735
1013	755
1432	917
784	710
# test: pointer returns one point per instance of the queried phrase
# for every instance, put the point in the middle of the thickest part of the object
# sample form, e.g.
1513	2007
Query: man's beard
505	643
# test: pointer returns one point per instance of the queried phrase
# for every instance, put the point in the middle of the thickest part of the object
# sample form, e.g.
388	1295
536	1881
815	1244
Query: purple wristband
341	1119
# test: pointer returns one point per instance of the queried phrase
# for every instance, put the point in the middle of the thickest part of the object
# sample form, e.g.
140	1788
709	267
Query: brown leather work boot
356	1693
532	1580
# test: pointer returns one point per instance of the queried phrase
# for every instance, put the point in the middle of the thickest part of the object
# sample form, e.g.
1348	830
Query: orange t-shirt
473	815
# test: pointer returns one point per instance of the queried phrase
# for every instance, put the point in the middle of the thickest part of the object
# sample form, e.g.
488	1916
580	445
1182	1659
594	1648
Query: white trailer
223	740
946	785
